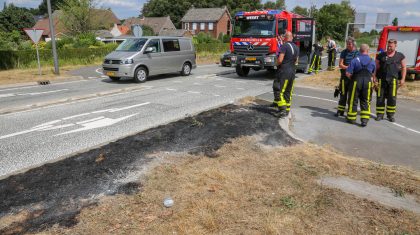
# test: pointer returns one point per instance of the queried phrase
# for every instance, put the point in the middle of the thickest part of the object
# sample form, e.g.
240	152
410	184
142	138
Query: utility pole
54	48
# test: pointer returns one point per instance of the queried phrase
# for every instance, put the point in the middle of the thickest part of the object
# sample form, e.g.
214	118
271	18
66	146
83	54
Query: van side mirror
148	50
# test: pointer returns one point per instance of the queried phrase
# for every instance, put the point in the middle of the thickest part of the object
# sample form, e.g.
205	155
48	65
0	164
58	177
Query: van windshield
132	44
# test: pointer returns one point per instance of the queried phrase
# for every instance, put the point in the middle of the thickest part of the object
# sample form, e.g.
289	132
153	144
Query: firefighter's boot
364	122
379	117
339	113
391	117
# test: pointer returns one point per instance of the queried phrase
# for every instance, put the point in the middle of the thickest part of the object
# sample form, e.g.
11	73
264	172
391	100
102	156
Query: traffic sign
34	34
137	30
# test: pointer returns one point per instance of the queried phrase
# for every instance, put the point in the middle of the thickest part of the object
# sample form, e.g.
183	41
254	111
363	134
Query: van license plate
110	74
251	58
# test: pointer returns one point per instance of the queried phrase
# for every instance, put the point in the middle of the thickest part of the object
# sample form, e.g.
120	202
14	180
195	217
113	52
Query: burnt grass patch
56	192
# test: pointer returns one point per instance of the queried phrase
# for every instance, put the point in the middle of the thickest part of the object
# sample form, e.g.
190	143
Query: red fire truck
254	42
408	42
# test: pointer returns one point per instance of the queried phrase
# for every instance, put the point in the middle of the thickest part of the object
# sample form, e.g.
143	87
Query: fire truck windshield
254	28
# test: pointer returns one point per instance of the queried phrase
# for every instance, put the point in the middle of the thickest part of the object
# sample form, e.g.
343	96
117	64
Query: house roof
175	32
103	34
123	29
204	14
156	23
101	17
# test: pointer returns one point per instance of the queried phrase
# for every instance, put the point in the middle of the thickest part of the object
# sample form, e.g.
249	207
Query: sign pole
39	62
54	48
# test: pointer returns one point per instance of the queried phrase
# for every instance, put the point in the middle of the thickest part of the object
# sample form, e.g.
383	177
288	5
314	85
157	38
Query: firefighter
346	56
360	71
316	58
332	51
285	75
389	64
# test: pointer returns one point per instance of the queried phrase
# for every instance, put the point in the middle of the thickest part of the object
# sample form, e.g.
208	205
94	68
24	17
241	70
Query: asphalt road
44	134
65	118
384	142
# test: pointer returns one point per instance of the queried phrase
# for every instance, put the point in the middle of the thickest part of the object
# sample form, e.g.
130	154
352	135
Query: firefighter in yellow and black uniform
389	64
360	71
285	75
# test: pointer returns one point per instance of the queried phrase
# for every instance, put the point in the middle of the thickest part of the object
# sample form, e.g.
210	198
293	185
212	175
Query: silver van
139	58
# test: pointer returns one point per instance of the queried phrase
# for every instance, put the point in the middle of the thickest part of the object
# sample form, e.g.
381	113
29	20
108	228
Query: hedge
27	58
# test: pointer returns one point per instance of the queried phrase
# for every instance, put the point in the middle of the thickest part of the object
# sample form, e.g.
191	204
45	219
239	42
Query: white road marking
103	76
92	77
194	92
240	88
218	79
240	81
75	116
97	71
7	95
317	98
104	122
171	89
129	107
219	86
41	93
177	81
97	122
18	88
216	95
197	84
90	120
31	93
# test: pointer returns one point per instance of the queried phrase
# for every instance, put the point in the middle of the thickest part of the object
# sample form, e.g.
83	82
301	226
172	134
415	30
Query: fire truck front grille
258	50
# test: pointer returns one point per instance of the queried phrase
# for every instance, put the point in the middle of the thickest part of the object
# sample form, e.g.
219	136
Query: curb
285	125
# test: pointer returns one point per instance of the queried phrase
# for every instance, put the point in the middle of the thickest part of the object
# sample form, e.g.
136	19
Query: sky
407	11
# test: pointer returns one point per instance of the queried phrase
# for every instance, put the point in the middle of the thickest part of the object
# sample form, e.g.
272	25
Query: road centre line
90	120
194	92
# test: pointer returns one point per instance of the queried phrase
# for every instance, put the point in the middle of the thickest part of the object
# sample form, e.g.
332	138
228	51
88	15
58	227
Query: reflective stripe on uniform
394	88
341	108
282	102
368	96
379	89
352	97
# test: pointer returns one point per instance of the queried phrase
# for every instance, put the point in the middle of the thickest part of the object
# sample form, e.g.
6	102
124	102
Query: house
214	21
176	33
119	30
102	19
156	23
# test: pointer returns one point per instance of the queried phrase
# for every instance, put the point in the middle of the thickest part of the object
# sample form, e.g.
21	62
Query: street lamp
54	48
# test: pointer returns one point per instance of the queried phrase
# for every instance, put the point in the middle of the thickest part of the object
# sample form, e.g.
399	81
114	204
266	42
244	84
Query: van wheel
186	69
140	75
242	71
115	78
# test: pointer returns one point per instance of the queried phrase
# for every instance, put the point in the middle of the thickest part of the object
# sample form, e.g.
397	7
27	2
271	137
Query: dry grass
327	79
208	59
14	76
254	189
330	79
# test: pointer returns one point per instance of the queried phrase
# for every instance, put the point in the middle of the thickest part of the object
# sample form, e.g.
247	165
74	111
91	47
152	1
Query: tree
55	5
15	18
279	4
395	21
332	19
373	32
76	16
301	10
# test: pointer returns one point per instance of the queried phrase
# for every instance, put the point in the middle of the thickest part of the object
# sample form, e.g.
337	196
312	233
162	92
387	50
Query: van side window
155	44
170	45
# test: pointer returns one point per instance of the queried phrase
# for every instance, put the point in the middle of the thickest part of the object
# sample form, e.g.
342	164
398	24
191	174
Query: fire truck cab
255	43
408	43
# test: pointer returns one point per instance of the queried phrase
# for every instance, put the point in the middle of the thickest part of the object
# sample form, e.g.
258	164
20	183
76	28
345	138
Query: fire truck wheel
242	71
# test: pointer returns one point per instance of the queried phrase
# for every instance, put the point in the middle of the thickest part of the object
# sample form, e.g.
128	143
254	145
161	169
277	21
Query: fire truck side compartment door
303	29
